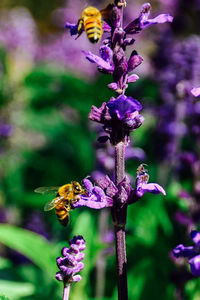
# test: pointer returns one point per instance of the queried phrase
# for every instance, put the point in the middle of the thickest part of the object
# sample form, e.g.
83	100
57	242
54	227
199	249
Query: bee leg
80	27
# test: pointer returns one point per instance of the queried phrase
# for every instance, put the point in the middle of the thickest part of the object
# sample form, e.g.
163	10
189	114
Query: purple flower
5	130
72	27
191	252
143	20
97	196
71	262
104	62
142	185
195	92
119	116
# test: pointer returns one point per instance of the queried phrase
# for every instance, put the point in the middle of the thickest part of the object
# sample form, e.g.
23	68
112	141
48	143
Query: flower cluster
97	196
71	262
191	252
119	117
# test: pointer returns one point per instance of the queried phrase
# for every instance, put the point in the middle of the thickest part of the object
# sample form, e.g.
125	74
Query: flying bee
66	195
91	22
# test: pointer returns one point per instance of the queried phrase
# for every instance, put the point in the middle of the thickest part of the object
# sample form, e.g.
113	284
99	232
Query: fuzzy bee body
91	22
66	195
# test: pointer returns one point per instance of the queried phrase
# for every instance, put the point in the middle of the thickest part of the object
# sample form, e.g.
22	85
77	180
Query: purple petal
183	251
195	236
123	105
76	278
195	92
153	188
113	86
106	53
59	276
92	202
106	27
88	184
195	265
132	78
72	27
157	20
99	61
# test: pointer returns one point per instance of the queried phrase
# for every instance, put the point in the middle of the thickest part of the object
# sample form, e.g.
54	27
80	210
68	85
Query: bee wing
47	190
52	204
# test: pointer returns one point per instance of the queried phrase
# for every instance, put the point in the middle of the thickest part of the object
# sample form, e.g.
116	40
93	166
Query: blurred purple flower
143	20
71	262
119	117
191	252
5	130
196	92
96	198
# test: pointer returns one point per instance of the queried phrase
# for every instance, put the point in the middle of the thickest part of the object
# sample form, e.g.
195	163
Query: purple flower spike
119	116
97	196
143	20
142	185
72	27
195	265
70	263
196	92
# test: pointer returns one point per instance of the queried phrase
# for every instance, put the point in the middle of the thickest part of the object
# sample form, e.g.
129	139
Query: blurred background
47	88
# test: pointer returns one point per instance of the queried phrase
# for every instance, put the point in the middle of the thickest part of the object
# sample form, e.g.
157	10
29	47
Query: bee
66	195
141	171
91	22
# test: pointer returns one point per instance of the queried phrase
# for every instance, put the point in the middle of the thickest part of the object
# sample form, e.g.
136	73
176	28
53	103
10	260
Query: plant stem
119	218
66	291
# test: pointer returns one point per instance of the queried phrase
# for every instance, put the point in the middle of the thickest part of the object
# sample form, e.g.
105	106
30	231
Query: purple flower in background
191	252
119	117
142	185
195	92
5	130
71	262
143	20
97	196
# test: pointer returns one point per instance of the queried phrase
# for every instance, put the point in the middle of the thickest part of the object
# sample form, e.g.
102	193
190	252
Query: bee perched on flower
66	196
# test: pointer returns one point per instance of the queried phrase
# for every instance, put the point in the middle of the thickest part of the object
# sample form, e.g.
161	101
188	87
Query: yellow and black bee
66	195
91	22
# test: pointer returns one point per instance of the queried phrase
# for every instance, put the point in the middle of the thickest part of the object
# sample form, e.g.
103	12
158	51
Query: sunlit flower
71	262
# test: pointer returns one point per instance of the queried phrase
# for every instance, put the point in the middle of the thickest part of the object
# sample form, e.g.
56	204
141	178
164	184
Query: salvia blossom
191	252
70	263
97	196
119	117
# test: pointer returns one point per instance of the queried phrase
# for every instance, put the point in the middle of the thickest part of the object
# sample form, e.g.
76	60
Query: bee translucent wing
52	190
52	204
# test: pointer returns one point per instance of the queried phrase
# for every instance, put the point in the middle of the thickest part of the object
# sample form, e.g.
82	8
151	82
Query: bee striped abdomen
93	29
62	215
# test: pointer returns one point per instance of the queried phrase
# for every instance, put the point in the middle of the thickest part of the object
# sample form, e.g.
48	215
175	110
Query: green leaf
4	298
30	244
15	290
4	263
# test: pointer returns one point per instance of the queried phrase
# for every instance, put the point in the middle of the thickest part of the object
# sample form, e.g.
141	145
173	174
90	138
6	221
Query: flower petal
195	265
99	61
72	27
196	92
163	18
